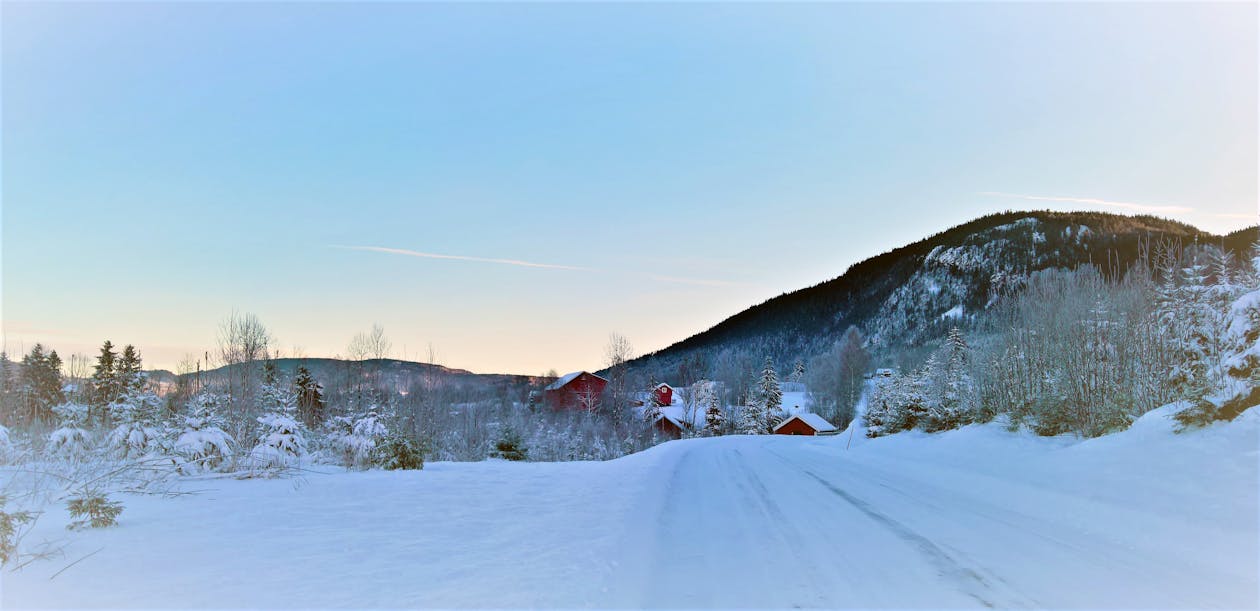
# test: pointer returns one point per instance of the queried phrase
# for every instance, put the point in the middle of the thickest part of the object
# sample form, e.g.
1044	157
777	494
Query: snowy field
977	517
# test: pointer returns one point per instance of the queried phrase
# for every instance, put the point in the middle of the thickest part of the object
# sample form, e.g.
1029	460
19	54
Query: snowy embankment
969	518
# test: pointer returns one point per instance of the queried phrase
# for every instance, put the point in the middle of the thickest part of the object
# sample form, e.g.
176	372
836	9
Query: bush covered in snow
71	440
202	444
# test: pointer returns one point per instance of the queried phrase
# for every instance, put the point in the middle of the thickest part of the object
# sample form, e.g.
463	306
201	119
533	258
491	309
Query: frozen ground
971	518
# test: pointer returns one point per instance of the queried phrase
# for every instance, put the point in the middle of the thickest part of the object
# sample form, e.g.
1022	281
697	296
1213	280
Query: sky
509	183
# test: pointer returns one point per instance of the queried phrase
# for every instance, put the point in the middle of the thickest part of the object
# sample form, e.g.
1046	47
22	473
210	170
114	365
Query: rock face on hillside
913	294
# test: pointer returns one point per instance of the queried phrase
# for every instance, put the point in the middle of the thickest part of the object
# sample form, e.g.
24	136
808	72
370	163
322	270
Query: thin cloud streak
1137	207
518	263
429	255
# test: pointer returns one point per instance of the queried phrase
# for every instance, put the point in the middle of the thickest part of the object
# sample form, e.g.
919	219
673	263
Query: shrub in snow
11	523
71	440
139	431
281	443
356	439
202	444
510	446
398	451
92	509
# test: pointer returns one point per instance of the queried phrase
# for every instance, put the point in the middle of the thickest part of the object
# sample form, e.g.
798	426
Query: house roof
664	385
671	419
814	421
569	377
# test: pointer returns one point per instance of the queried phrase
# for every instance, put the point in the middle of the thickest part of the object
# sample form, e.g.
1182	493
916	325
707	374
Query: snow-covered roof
675	421
815	422
566	378
665	385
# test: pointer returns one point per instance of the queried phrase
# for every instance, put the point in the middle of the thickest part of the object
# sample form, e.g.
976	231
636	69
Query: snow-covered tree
310	397
706	397
280	441
753	419
769	395
140	431
202	444
105	387
951	387
41	386
71	440
356	439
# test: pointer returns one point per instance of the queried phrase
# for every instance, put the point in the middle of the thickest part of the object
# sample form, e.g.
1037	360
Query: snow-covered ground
969	518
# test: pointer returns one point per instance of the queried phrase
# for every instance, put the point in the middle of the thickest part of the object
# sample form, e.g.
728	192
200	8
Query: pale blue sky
165	163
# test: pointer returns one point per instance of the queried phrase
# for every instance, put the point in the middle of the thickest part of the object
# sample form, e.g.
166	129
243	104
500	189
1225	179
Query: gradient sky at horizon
578	169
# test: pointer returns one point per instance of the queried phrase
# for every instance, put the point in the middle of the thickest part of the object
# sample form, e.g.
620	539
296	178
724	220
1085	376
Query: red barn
663	394
805	424
577	390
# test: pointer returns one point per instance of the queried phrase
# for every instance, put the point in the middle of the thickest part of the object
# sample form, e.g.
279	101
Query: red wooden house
663	394
805	424
577	390
669	427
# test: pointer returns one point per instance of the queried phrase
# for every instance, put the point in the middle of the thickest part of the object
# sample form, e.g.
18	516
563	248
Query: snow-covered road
972	518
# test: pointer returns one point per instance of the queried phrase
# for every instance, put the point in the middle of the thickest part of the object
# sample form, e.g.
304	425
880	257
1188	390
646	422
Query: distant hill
913	294
398	374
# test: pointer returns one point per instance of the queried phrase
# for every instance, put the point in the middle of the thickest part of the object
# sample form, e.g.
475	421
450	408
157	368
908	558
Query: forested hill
912	294
393	373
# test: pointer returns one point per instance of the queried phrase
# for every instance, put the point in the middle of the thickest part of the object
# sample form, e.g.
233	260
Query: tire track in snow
971	581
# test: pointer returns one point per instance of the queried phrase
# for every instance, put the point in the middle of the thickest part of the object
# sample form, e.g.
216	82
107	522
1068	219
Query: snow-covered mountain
913	294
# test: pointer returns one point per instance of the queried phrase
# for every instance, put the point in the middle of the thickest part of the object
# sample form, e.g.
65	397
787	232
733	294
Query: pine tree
752	418
71	441
770	396
9	386
105	379
281	442
203	444
707	398
41	386
951	387
798	371
310	397
127	371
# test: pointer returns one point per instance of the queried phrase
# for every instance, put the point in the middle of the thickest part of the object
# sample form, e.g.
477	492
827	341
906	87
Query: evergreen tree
770	396
9	386
41	386
140	429
127	371
310	397
105	385
951	387
203	444
71	440
753	419
280	442
707	399
798	371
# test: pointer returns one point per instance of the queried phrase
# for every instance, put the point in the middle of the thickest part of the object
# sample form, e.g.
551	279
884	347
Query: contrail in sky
429	255
519	263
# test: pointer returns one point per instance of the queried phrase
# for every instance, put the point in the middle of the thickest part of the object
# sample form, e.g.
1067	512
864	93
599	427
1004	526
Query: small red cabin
805	424
663	394
577	390
669	427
